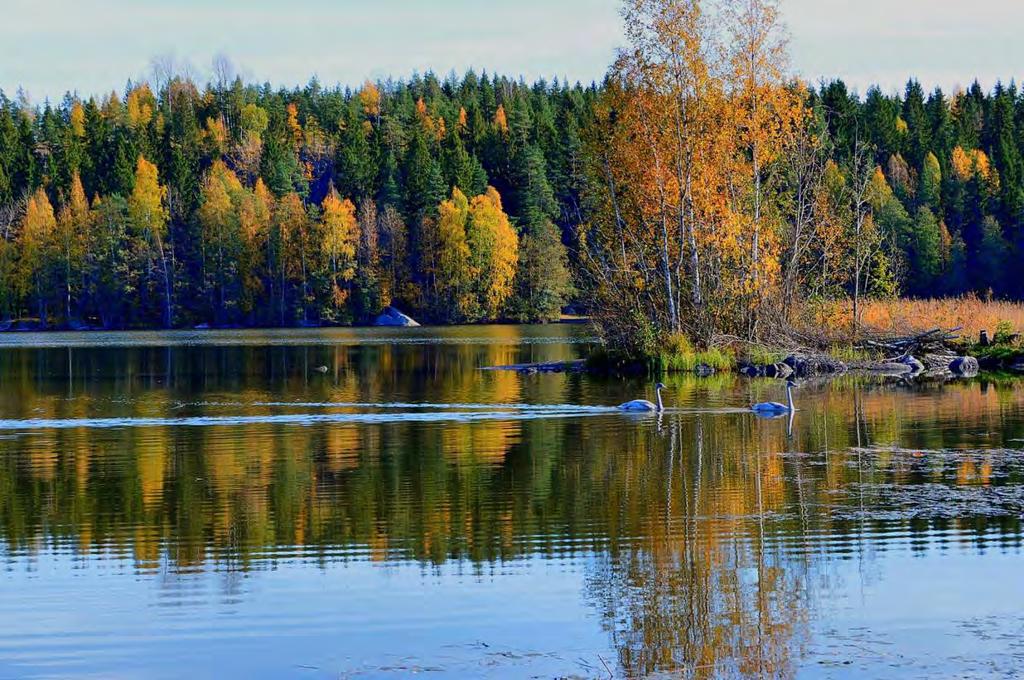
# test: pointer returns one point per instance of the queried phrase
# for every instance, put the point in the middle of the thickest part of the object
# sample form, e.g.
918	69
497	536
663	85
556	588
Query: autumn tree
339	232
291	254
684	236
36	243
147	211
493	252
446	261
73	237
368	260
220	208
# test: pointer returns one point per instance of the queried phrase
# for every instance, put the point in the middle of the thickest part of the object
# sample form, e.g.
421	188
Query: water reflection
704	542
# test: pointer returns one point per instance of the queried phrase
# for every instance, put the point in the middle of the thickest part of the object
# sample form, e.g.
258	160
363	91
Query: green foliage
678	355
944	228
198	252
1004	332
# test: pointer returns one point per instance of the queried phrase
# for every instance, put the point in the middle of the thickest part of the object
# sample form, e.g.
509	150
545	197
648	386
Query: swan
638	405
774	408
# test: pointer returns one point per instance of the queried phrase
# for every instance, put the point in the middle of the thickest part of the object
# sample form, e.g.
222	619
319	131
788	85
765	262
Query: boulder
393	317
814	364
915	365
703	370
965	367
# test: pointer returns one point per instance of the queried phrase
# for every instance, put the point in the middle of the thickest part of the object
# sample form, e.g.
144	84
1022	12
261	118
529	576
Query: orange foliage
899	316
501	120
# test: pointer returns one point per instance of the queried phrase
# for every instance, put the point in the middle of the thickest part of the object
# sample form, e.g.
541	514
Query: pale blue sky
49	46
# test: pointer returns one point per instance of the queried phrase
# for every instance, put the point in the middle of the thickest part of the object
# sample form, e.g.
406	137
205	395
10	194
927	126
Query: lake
210	505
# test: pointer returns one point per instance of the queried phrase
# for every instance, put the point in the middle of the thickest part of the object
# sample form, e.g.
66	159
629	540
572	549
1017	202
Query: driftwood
542	367
934	341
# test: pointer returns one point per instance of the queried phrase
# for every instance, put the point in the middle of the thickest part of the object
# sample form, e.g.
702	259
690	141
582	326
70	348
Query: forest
699	190
236	204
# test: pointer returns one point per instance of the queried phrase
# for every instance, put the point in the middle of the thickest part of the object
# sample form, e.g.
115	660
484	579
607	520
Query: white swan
774	408
639	405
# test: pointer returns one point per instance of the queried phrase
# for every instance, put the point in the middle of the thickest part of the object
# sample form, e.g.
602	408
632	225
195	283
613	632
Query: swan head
660	386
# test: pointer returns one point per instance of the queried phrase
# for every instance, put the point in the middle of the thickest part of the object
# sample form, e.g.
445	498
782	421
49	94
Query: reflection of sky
876	614
95	45
298	620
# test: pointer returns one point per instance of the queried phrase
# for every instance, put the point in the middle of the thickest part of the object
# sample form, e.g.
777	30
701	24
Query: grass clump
762	355
848	353
679	355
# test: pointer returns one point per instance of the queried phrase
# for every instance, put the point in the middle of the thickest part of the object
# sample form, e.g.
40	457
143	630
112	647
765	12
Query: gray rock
965	367
814	364
703	370
915	365
783	370
393	317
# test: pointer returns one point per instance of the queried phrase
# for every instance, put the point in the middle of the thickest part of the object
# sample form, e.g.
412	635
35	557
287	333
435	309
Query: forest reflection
703	535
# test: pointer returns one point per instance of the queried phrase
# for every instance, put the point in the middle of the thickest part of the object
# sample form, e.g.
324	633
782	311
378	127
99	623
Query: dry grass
900	317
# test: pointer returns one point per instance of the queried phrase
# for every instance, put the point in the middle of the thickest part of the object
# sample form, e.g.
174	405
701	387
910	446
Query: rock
915	364
749	371
965	367
814	364
703	370
393	317
891	368
783	370
937	361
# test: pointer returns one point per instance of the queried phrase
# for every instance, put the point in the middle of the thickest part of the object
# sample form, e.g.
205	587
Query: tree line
727	194
698	190
236	204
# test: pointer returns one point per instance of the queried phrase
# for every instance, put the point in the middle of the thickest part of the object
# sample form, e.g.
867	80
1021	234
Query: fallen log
541	367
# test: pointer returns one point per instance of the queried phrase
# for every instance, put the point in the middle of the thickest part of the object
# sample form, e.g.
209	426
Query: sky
93	46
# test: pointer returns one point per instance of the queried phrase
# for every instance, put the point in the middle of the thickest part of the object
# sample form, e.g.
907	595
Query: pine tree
925	253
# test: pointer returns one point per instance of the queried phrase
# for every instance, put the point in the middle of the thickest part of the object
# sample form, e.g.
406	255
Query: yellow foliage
77	119
146	204
369	96
340	235
967	164
216	135
111	108
219	196
494	248
35	239
293	125
140	105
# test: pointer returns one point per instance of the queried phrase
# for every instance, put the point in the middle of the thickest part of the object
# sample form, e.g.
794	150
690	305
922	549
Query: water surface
211	505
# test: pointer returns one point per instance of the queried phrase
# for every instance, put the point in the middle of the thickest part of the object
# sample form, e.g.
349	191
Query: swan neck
789	395
661	407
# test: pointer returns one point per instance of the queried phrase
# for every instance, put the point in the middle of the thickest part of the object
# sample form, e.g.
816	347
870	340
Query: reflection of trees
698	529
701	590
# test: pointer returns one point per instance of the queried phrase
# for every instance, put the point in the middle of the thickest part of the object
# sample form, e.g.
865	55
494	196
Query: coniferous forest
479	198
